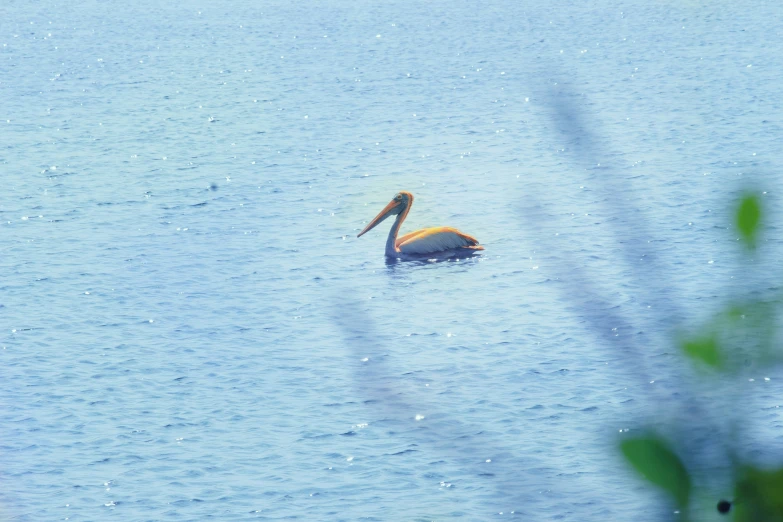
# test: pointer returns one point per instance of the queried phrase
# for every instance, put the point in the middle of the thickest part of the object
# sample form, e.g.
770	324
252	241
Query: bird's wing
436	239
403	239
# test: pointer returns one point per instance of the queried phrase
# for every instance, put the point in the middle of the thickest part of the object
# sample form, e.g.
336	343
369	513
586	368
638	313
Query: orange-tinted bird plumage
421	242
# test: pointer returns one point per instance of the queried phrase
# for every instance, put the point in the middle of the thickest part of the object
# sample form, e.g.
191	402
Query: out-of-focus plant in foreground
741	335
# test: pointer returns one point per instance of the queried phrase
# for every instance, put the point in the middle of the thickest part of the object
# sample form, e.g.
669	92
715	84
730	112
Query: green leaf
758	495
748	218
705	349
651	456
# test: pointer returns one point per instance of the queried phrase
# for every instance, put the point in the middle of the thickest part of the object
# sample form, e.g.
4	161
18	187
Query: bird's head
402	200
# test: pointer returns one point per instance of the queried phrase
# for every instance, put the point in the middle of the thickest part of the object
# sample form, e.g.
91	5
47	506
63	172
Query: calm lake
190	329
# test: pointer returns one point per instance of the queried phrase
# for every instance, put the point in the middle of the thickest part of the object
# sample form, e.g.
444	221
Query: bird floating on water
421	242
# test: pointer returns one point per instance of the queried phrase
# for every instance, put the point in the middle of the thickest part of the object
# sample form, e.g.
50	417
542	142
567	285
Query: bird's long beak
386	212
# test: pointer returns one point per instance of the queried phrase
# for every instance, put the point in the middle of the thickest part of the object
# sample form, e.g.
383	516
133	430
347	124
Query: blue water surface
190	329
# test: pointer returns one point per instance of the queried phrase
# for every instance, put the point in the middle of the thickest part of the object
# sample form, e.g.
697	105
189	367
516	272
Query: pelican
420	242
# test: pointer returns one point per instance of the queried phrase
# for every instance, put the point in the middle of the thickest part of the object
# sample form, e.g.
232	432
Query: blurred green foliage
748	217
758	495
738	337
741	334
705	349
652	457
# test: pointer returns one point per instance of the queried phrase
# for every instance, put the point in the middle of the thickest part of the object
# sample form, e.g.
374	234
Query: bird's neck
391	241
